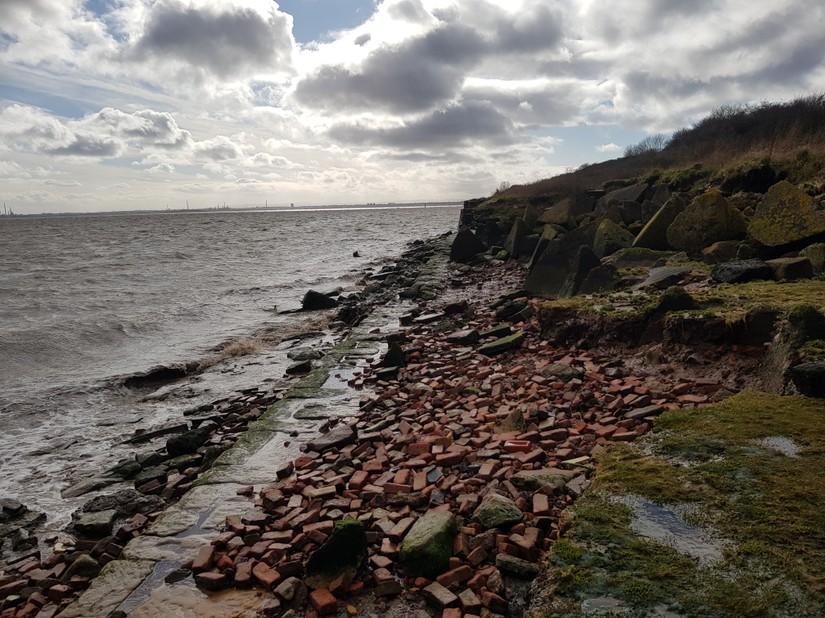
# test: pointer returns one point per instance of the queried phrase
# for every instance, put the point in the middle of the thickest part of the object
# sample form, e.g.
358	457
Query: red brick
267	576
456	576
203	560
324	602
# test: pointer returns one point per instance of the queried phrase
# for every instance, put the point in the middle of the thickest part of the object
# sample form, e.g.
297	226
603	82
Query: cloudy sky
120	104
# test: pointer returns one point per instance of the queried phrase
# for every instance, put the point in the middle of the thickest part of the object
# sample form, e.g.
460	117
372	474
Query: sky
126	104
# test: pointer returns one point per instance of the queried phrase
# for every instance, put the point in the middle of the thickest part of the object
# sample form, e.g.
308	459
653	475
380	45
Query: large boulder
427	548
566	212
809	379
791	268
786	216
581	267
708	219
314	301
603	278
466	246
632	193
654	233
610	237
515	239
549	272
548	233
497	511
741	271
188	441
342	553
815	253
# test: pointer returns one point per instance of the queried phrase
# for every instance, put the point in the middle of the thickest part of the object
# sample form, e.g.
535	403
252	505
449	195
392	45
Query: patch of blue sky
580	144
101	9
314	19
60	106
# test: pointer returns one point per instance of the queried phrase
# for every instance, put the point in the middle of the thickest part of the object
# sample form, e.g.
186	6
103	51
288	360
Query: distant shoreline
237	209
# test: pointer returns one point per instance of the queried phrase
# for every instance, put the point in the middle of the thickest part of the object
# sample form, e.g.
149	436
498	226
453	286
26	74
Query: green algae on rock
709	218
496	511
427	548
786	215
343	552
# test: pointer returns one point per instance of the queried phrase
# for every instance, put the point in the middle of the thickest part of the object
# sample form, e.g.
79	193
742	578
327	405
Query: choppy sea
86	301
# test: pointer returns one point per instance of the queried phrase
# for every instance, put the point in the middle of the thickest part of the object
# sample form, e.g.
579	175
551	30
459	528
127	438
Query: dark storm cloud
89	146
225	41
471	122
413	76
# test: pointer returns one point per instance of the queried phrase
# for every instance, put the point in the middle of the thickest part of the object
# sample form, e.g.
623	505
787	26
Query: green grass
770	508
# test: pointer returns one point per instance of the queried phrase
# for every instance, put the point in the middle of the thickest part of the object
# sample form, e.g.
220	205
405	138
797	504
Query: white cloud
425	96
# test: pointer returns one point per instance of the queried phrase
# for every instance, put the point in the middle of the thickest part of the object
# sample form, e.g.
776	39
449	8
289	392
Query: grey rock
741	271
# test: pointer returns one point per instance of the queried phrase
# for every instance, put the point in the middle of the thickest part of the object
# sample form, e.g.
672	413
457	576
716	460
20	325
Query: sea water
87	300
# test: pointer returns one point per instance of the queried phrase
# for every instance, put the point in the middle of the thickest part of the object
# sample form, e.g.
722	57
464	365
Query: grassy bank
723	471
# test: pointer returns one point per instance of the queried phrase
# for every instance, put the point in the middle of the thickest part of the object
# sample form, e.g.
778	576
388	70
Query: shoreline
234	413
519	449
496	399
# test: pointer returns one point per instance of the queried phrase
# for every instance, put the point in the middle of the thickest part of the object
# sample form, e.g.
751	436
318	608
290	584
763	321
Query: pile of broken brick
497	438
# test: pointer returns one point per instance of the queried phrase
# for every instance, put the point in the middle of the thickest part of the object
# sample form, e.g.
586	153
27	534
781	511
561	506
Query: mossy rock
807	323
815	253
343	552
610	237
708	219
187	442
496	511
428	546
502	345
786	216
83	566
675	298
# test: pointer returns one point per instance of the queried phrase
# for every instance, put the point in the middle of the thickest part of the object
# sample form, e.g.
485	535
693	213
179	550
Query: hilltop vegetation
788	137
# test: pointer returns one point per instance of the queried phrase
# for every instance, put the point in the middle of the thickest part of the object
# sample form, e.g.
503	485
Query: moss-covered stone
675	298
187	442
343	552
427	548
816	253
786	216
610	237
496	511
502	345
654	233
708	219
83	566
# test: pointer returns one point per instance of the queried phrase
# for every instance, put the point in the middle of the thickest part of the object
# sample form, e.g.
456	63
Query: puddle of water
667	526
184	600
155	579
197	528
780	444
602	605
